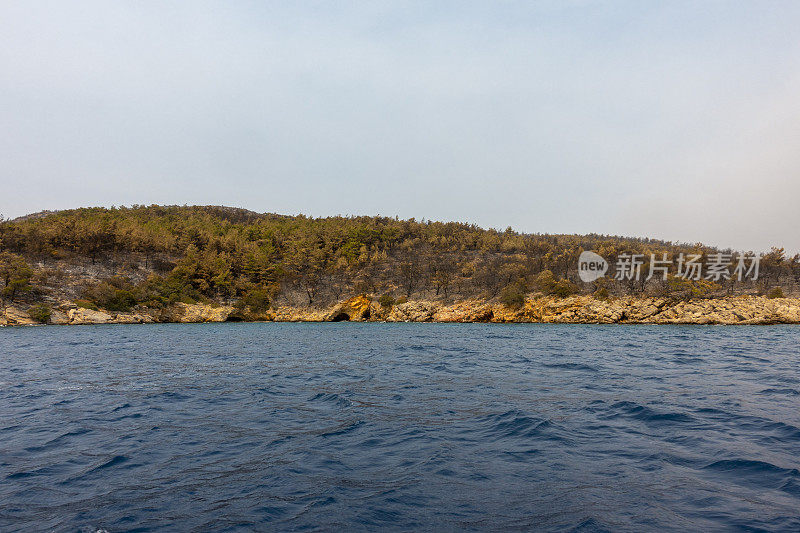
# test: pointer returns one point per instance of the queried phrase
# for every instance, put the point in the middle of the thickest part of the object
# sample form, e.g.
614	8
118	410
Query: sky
671	120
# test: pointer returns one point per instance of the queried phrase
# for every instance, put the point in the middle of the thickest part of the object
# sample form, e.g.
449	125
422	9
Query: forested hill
156	255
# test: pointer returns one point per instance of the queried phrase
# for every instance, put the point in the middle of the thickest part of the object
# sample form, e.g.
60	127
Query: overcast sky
674	120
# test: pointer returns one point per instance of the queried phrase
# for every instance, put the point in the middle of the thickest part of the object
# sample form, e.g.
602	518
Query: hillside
152	257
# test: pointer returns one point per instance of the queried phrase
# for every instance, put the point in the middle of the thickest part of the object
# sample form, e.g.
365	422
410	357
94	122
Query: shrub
688	288
401	300
158	291
775	292
86	304
602	294
118	300
565	288
545	281
115	294
512	296
387	300
258	300
40	313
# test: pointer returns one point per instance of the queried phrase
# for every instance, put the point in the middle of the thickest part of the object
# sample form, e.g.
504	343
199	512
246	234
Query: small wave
687	360
170	395
650	416
760	473
523	456
497	336
342	430
572	366
784	431
123	417
788	391
590	525
514	423
331	398
52	443
43	471
114	461
20	475
422	348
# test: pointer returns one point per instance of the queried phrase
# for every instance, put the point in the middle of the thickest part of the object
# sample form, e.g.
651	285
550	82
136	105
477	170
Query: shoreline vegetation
144	264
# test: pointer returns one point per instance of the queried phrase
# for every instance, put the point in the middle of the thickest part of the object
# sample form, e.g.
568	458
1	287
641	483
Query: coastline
739	310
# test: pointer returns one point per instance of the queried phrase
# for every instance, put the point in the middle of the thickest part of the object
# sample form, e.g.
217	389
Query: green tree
15	274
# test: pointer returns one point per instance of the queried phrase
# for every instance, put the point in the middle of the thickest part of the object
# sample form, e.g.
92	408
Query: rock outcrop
201	313
587	310
571	310
412	312
355	309
17	317
81	316
293	314
466	311
88	316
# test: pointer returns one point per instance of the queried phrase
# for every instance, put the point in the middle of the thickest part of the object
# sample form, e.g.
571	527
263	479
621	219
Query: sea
399	427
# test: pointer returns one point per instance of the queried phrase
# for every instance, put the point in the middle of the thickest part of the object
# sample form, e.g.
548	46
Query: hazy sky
676	120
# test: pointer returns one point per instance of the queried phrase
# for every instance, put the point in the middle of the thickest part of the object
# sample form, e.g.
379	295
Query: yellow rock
88	316
203	313
18	317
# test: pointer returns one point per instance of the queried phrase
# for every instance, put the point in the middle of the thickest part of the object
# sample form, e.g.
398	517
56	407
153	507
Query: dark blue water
399	426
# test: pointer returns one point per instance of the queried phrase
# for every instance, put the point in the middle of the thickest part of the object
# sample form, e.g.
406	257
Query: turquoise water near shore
363	426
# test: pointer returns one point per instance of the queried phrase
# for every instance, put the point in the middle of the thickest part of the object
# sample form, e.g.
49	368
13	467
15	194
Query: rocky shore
571	310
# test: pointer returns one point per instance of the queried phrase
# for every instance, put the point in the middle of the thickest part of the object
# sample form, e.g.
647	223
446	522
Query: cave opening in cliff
341	317
366	315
